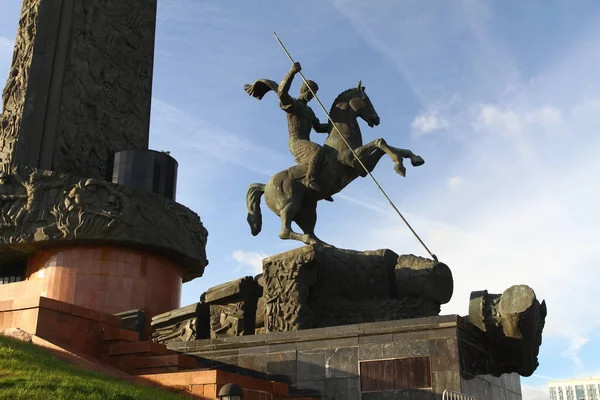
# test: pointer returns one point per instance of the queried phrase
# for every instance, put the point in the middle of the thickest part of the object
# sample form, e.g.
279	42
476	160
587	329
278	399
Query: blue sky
502	99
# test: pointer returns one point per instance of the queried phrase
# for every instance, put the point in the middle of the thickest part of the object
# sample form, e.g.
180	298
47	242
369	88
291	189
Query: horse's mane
341	97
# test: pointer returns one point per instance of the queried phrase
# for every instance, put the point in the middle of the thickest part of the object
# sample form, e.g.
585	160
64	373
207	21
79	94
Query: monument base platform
403	359
108	279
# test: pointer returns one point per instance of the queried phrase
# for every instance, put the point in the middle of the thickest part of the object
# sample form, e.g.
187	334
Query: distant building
575	389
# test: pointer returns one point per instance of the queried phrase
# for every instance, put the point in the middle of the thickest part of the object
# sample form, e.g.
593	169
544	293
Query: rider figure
301	119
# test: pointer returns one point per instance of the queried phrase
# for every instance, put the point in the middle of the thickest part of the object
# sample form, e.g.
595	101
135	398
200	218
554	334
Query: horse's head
354	103
362	106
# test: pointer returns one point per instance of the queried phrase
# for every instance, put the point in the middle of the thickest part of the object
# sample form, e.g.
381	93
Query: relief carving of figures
287	287
105	91
46	205
227	320
15	90
232	307
38	206
39	186
181	325
12	198
90	207
106	84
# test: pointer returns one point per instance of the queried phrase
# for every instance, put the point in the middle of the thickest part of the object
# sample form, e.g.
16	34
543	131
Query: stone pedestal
404	359
106	279
96	244
102	278
316	286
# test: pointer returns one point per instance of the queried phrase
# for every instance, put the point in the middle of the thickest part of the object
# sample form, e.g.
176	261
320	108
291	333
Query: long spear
353	152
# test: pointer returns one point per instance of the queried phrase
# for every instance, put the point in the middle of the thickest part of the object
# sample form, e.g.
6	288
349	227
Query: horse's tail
255	192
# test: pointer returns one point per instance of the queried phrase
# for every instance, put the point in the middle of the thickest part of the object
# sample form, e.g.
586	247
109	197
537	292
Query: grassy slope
31	372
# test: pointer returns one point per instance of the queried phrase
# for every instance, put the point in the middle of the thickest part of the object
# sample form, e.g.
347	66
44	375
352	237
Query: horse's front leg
369	155
397	155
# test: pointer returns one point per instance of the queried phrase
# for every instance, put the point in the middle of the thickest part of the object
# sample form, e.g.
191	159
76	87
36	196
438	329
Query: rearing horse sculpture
292	201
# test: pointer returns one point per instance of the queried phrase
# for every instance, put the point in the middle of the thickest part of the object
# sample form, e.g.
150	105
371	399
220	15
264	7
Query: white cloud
6	45
505	121
544	116
369	205
572	352
428	122
534	393
455	182
513	122
548	378
250	261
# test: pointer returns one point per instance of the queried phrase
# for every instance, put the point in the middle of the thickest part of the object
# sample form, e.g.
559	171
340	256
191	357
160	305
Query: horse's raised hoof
400	169
285	234
417	161
313	185
311	240
323	244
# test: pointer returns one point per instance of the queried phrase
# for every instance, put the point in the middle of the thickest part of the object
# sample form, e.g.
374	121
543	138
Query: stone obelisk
87	211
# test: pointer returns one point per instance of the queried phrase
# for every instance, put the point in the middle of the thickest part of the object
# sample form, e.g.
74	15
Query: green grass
31	372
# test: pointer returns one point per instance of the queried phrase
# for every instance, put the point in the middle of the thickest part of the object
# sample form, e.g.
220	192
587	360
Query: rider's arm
319	127
19	179
284	86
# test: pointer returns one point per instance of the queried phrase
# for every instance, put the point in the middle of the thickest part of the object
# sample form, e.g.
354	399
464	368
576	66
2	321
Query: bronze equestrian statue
286	193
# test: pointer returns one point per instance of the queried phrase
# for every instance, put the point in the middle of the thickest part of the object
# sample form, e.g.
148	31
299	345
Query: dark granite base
365	361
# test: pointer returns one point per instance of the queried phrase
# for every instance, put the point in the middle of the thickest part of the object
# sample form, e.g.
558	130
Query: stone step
120	334
171	360
138	348
158	370
105	345
125	363
302	398
135	364
116	336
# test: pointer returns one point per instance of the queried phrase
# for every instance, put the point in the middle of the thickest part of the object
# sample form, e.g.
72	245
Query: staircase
96	341
122	349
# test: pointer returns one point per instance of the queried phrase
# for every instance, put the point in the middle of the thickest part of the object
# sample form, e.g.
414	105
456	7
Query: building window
592	392
570	393
553	394
13	272
560	393
579	392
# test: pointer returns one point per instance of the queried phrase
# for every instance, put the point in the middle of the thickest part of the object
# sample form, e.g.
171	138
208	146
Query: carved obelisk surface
80	83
